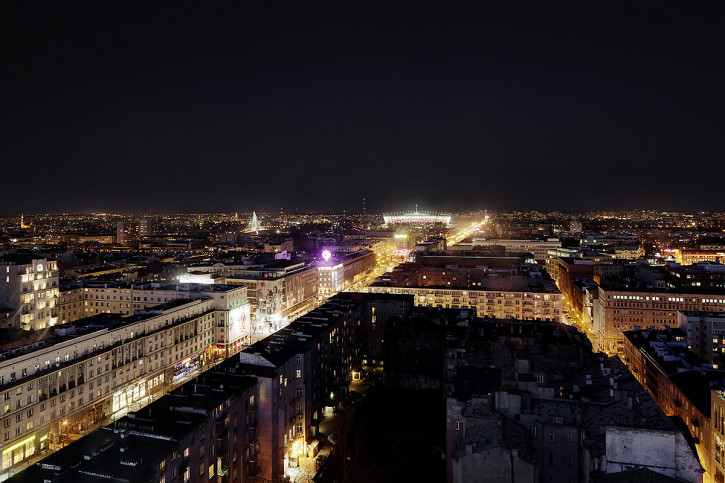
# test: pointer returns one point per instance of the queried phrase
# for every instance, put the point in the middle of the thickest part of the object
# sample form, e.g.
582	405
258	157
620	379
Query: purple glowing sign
326	255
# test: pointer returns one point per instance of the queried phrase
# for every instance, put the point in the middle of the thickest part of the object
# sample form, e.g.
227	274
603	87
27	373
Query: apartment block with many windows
98	369
83	299
617	310
29	289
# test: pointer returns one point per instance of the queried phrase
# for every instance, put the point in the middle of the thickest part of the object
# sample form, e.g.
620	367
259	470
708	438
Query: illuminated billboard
239	322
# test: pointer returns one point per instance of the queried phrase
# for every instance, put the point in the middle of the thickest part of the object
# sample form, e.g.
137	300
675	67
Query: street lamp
65	430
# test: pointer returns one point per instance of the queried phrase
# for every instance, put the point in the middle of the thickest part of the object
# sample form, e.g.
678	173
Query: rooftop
304	333
81	328
103	455
514	283
132	448
132	285
22	258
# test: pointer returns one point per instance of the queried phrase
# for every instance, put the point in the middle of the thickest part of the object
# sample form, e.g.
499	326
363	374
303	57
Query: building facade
718	436
619	310
278	291
29	288
85	299
203	431
302	368
705	334
677	381
540	248
97	369
524	302
342	271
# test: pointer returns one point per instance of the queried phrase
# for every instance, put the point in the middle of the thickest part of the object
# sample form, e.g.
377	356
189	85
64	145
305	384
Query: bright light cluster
417	218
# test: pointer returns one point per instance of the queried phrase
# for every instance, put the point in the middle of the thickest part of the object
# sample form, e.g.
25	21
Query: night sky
119	107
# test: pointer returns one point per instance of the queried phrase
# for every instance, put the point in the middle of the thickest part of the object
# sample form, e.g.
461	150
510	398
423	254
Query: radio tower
364	209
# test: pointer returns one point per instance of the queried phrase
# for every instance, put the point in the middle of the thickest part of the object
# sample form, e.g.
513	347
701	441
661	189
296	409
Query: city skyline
362	242
130	108
113	322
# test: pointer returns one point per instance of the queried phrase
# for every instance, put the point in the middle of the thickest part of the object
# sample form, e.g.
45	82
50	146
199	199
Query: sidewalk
308	467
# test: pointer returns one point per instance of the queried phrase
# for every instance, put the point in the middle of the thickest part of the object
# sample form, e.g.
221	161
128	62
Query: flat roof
498	284
83	327
22	258
304	333
167	286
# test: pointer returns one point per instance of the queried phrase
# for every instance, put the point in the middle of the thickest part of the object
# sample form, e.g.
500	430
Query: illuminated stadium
417	218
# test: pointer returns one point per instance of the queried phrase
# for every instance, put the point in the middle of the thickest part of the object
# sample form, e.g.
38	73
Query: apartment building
29	289
301	369
540	248
514	297
132	231
86	298
617	310
705	334
340	271
278	291
499	287
689	256
678	381
96	369
203	431
717	442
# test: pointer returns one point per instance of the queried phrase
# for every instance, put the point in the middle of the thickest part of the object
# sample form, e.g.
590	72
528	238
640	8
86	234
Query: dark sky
112	106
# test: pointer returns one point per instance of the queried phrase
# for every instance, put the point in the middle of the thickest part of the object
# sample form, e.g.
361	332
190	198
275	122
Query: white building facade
29	287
